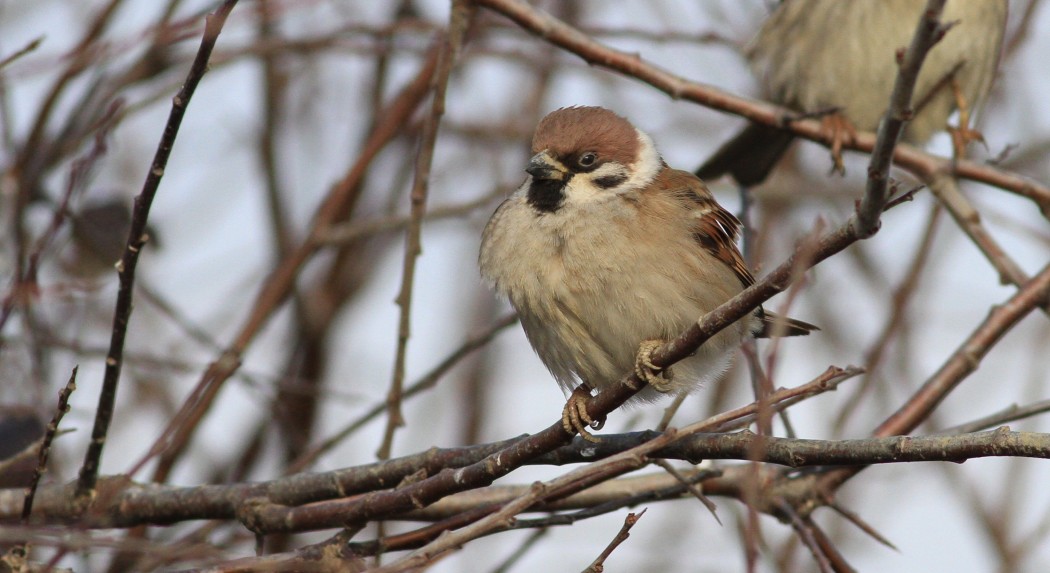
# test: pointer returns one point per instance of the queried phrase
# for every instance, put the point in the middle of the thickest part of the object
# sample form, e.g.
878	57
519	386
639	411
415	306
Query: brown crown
573	130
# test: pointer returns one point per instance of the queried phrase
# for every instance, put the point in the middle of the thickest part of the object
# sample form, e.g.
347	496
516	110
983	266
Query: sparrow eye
587	159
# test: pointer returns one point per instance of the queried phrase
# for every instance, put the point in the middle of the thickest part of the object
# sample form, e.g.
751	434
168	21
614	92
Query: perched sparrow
817	55
605	251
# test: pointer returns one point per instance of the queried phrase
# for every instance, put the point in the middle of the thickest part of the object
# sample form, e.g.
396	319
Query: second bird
816	55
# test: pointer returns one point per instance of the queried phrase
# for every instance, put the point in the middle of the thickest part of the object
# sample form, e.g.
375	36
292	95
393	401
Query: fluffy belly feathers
589	313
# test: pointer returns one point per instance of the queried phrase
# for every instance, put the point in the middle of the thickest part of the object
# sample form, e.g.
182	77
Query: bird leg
962	135
659	378
574	416
837	130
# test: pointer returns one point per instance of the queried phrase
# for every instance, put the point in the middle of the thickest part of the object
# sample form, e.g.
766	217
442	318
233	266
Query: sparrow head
588	154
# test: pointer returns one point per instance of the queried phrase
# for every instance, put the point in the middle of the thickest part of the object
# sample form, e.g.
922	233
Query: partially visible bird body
853	63
598	259
815	55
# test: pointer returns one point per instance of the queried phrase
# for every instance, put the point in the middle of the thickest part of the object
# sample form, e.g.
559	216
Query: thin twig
670	411
272	86
805	533
513	558
691	487
451	44
355	230
963	362
632	65
946	189
28	48
45	447
864	526
598	565
896	316
21	549
928	31
1004	416
413	246
137	238
828	380
170	445
427	381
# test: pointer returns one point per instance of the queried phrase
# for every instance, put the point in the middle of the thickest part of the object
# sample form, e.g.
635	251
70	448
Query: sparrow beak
543	166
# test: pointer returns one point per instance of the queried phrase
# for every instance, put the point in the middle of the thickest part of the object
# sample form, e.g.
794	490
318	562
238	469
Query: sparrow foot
837	130
574	416
962	135
650	373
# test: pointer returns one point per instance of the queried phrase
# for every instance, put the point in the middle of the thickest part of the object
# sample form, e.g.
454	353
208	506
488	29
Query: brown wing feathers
716	232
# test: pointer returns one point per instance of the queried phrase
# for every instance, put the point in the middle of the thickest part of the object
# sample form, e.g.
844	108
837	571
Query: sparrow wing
717	230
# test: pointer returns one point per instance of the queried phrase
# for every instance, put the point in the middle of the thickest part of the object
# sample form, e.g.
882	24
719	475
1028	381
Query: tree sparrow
605	252
818	55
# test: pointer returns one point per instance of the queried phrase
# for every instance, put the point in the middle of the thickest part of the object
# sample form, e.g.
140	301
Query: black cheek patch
546	195
610	181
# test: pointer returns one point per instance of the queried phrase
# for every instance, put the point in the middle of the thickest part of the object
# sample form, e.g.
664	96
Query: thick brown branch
128	503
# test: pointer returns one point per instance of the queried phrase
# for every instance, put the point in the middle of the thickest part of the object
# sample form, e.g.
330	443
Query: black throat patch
546	195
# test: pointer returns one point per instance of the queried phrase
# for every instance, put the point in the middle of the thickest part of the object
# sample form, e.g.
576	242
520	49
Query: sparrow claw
838	130
574	416
650	373
962	135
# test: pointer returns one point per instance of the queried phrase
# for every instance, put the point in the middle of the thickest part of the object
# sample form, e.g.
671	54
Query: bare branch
595	53
278	286
137	238
598	565
965	360
928	32
21	549
451	44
